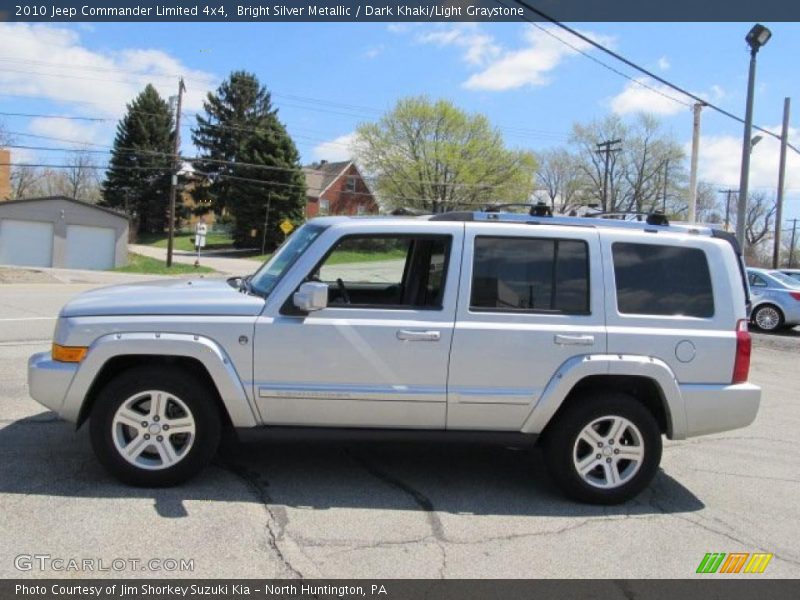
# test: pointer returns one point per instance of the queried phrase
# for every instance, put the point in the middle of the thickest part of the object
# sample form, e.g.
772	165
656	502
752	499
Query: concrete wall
62	212
5	175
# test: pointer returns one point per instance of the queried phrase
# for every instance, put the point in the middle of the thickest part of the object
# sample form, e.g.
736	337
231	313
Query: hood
171	297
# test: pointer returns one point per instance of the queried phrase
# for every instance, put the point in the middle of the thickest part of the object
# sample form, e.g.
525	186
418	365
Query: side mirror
311	296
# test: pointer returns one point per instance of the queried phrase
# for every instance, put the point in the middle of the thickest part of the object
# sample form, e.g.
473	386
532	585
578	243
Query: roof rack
654	218
653	222
540	209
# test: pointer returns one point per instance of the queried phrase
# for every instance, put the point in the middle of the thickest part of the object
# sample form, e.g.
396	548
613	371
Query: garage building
62	232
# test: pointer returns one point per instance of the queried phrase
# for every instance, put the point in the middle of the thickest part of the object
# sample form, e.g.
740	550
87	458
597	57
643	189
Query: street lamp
756	38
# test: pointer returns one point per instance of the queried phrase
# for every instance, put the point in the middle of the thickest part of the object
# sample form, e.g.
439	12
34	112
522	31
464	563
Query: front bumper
49	380
716	408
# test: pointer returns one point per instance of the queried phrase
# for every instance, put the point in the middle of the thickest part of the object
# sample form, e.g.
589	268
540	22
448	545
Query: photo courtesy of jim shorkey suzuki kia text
105	590
383	299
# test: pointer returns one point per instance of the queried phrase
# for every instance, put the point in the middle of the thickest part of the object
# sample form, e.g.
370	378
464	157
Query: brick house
337	188
5	174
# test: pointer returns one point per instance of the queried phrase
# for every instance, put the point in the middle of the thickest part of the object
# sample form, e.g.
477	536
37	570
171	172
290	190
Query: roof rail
540	209
653	218
653	222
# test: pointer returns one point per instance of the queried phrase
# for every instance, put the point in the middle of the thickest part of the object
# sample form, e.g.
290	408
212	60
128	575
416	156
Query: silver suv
593	337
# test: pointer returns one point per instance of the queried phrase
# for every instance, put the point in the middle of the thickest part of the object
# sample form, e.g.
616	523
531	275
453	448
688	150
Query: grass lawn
154	266
183	241
349	257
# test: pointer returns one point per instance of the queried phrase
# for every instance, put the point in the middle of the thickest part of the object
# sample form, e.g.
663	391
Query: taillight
741	366
795	295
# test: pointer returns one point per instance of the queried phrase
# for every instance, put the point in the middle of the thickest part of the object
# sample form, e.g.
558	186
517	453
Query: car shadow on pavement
45	456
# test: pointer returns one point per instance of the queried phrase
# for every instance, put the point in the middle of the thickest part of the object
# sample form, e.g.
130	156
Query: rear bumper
716	408
48	380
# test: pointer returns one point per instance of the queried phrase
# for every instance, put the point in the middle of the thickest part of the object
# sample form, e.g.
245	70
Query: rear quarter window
661	280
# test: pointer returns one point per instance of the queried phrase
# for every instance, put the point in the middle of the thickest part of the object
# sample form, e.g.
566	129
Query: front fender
241	410
579	367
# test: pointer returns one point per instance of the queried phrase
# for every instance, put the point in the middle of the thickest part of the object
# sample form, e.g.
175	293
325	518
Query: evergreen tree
140	169
248	159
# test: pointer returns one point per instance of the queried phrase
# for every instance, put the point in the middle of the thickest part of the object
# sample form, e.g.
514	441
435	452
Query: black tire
562	435
197	398
765	307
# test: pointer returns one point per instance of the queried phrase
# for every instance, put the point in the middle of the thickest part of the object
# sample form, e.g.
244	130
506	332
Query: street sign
200	235
286	226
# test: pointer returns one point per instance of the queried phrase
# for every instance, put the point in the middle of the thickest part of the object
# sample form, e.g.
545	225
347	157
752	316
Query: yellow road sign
286	226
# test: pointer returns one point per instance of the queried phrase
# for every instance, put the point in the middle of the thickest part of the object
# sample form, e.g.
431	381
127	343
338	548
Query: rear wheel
768	318
604	448
153	426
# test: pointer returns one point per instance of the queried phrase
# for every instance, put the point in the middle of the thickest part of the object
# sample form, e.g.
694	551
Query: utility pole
728	194
266	224
776	250
666	180
791	245
606	148
173	188
698	106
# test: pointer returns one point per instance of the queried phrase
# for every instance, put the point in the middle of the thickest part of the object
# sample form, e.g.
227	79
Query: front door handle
573	340
410	335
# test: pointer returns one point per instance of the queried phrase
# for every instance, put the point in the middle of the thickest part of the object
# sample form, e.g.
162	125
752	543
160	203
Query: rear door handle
573	340
410	335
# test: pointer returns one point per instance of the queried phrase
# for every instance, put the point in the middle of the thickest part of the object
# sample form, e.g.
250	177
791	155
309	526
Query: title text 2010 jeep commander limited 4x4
596	336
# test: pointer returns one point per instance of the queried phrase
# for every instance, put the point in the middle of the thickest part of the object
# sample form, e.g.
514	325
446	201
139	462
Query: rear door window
530	275
662	280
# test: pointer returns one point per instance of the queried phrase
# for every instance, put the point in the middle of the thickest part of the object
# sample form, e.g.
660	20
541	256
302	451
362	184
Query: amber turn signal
71	354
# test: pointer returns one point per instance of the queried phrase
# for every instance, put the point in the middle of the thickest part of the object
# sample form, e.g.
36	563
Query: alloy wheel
767	318
608	452
153	430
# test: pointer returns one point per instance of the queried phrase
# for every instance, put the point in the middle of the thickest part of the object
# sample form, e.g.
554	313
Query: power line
64	117
509	131
631	64
200	159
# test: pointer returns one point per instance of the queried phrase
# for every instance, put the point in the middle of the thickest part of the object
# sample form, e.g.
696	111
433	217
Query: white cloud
340	148
51	62
663	63
530	65
720	161
717	92
647	95
374	51
63	129
637	98
478	47
400	27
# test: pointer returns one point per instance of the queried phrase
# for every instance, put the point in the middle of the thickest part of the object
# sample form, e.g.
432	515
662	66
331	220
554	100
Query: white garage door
90	247
26	243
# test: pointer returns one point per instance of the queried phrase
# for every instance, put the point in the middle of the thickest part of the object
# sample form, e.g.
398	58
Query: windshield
267	277
785	279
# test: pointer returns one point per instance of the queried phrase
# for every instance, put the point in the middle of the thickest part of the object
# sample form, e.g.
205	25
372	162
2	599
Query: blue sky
327	78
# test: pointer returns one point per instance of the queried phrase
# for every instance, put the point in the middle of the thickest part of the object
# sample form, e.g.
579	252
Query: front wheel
604	448
154	427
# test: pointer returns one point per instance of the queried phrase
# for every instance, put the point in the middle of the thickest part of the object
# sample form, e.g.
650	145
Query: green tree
434	156
635	174
140	169
248	159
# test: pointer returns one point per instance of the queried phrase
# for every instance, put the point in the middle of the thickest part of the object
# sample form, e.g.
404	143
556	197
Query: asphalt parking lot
313	508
